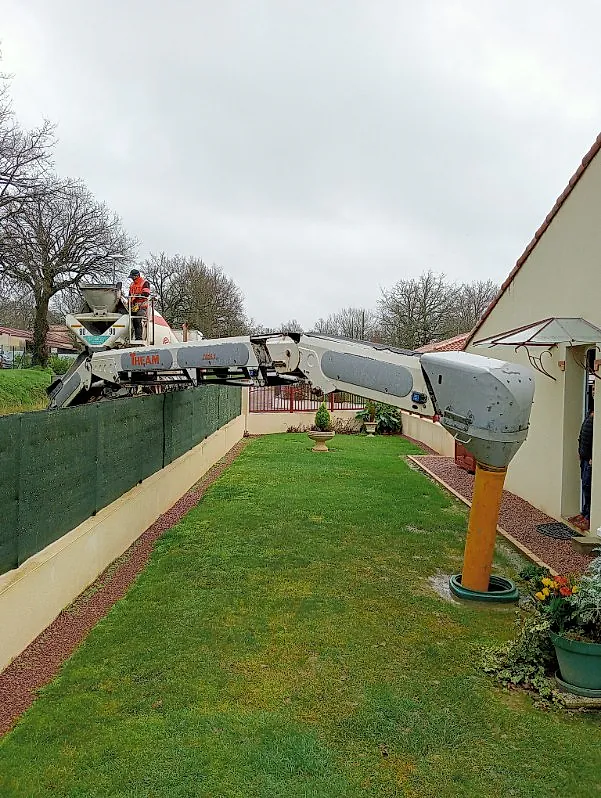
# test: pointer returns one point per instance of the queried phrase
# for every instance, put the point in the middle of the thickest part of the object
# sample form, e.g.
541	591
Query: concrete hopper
102	298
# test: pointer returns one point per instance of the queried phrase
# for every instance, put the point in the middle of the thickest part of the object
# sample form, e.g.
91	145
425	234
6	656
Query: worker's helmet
133	274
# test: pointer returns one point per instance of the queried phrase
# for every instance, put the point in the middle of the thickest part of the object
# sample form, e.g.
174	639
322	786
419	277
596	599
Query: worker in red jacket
139	291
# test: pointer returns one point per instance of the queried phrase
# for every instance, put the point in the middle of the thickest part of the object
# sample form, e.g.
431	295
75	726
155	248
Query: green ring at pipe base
500	590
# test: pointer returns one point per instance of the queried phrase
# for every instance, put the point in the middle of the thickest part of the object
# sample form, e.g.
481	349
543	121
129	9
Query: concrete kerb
33	595
508	537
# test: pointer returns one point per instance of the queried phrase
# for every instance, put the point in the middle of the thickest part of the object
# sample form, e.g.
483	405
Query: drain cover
557	530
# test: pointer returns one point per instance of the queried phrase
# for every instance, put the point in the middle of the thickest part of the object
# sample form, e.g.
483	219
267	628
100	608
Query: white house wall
561	277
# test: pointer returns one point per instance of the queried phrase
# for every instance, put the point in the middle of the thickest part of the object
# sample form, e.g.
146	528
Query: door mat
558	530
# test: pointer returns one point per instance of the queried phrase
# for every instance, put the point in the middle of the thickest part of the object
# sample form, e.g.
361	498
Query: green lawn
284	641
23	389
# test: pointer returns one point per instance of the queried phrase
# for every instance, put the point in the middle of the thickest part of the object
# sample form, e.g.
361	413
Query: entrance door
576	401
589	389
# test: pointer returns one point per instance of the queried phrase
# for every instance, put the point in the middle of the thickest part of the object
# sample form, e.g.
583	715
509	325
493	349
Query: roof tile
454	344
58	336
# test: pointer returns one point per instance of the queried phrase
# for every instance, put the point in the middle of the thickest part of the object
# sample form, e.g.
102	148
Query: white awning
547	333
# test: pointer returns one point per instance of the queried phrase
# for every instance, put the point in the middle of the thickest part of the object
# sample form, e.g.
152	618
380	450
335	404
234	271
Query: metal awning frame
536	361
547	344
584	366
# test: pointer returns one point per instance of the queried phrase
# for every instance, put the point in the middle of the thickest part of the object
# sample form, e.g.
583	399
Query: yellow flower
545	591
539	596
575	589
553	585
547	582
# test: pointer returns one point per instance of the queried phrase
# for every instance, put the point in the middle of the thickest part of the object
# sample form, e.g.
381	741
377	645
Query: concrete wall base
432	434
32	595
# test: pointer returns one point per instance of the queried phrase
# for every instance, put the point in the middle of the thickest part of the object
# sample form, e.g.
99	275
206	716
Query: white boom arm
484	402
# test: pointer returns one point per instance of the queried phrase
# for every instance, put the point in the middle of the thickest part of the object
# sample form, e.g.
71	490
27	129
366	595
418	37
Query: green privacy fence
59	468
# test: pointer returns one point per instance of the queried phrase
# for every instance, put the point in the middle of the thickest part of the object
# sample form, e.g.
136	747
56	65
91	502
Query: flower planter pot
579	663
320	439
370	427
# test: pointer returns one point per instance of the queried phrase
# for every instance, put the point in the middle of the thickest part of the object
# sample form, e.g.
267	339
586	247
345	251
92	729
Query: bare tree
24	157
418	311
360	324
17	310
67	301
292	325
58	239
191	291
472	300
327	326
166	278
254	328
217	303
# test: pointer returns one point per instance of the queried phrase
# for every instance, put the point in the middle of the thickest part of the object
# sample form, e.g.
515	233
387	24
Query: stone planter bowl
320	439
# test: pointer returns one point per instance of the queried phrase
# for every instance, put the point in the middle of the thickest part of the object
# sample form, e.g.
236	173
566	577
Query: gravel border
40	662
516	517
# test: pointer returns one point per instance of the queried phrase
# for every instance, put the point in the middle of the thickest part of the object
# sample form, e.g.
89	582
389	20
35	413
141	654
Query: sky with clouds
318	150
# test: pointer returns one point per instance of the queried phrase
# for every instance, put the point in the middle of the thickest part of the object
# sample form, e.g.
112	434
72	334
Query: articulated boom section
264	360
485	403
228	360
381	373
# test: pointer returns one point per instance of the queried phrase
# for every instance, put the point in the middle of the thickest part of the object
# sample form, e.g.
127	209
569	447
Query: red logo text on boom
144	360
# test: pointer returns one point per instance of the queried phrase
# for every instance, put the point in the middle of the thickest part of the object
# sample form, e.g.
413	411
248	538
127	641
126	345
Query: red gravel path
517	517
42	659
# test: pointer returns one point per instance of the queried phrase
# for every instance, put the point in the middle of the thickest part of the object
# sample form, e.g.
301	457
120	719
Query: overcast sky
318	150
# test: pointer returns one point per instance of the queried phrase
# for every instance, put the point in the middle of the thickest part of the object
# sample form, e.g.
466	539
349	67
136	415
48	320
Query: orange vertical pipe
482	528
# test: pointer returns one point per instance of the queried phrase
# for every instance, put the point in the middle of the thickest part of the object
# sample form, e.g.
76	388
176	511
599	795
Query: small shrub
345	426
528	661
22	361
323	422
586	605
566	605
534	573
340	426
297	428
368	413
388	418
59	365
